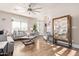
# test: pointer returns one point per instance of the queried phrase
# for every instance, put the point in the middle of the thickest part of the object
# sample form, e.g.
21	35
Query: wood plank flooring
42	48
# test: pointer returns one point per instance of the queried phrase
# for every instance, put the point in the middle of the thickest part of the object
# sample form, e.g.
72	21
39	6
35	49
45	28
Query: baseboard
75	45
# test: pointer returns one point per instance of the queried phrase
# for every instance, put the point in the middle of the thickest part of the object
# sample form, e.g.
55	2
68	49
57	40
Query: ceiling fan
30	8
33	10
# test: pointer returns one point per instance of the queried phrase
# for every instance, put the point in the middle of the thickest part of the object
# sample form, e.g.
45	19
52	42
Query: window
17	25
24	26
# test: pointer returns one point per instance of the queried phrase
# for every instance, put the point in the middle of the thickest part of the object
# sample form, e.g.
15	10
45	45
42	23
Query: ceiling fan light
29	9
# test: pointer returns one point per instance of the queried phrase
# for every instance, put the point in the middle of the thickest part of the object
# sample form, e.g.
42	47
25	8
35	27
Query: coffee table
28	40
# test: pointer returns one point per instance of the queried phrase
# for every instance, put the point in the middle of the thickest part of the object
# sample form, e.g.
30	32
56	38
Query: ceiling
18	8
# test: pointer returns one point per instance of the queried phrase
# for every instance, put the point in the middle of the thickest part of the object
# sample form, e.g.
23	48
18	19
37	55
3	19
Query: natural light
17	25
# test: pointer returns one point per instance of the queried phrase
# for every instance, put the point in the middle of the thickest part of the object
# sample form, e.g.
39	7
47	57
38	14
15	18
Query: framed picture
62	29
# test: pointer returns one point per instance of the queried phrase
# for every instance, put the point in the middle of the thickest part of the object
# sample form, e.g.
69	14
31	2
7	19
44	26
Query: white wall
57	10
7	23
73	10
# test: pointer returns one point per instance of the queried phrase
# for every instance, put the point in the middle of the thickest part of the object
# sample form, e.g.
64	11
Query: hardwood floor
42	48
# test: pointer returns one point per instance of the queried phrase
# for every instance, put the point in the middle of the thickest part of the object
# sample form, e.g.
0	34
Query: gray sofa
10	44
17	34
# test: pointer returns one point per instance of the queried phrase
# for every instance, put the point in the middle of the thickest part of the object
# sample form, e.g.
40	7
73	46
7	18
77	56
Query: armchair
10	44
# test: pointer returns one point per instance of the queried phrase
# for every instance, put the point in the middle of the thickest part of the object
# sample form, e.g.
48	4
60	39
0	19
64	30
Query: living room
33	21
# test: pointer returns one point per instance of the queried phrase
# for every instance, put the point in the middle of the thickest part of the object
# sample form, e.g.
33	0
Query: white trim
75	45
17	14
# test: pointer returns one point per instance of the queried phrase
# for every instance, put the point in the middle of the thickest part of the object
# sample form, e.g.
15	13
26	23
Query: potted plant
34	28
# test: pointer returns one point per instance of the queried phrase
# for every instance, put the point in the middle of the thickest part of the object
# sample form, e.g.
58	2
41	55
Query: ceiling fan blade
33	12
37	11
36	8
